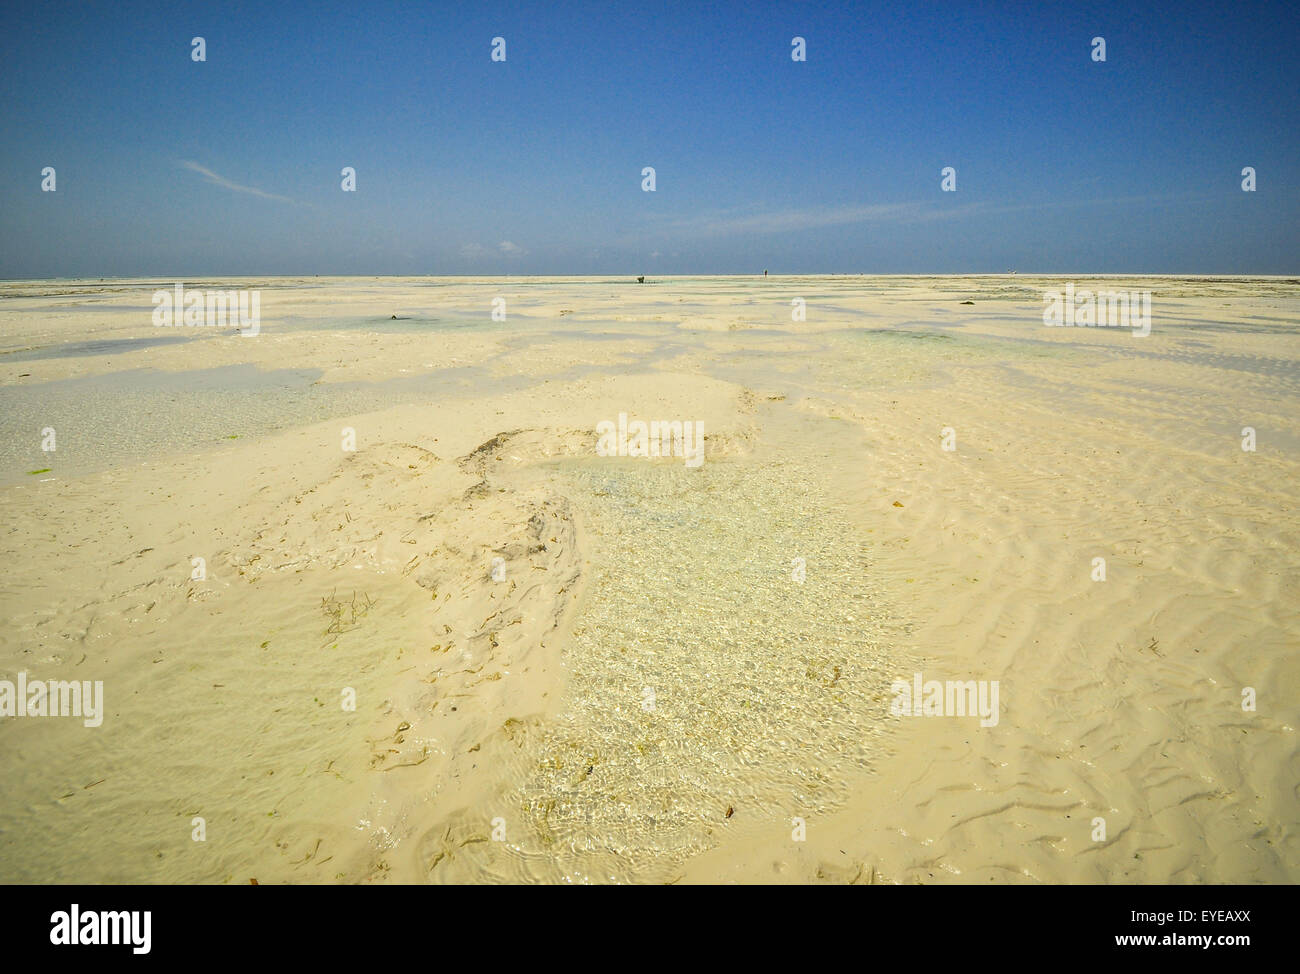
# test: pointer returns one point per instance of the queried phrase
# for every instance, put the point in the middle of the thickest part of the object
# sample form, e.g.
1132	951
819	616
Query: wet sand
678	674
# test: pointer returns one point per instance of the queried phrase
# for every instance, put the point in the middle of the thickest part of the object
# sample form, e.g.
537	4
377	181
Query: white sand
523	700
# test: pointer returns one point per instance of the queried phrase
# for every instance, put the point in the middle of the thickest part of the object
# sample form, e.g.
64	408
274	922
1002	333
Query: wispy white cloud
218	180
784	221
506	248
729	222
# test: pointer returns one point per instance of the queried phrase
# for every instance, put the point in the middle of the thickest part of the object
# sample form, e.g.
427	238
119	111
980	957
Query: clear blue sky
175	169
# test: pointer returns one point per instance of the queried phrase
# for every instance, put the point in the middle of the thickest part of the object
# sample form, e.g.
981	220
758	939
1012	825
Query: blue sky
170	168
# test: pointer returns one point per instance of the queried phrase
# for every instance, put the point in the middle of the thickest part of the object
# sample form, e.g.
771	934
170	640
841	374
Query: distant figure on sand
641	280
765	272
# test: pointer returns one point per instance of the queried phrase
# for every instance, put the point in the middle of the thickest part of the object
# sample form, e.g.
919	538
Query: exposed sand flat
518	706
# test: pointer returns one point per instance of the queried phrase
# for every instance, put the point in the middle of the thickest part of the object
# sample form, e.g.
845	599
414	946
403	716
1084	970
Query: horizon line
648	278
